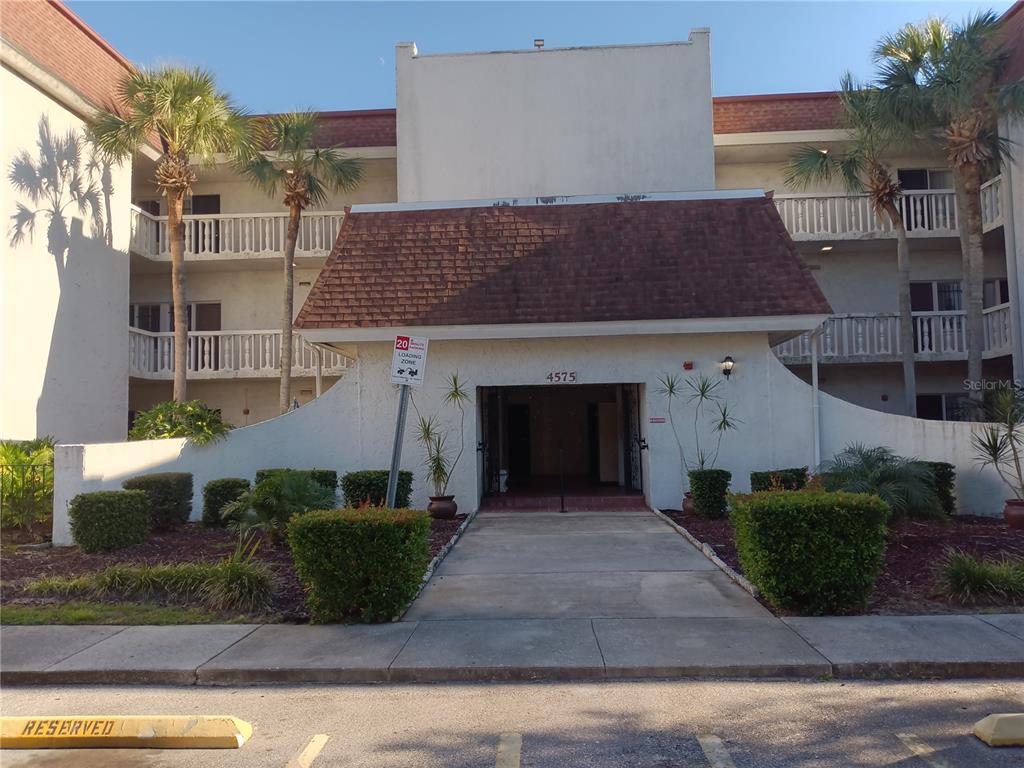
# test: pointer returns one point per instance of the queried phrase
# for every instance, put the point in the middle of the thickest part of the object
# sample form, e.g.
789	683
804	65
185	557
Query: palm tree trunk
968	179
906	316
176	234
294	214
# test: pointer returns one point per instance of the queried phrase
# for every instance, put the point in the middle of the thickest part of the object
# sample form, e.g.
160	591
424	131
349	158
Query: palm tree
305	174
943	83
192	121
861	169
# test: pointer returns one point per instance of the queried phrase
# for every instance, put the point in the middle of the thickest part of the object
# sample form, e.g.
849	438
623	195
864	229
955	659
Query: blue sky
276	56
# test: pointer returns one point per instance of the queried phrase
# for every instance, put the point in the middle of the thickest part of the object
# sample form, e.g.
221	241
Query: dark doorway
204	236
518	415
583	439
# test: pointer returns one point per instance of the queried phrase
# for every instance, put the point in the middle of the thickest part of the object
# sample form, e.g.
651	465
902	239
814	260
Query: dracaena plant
712	417
1000	444
438	459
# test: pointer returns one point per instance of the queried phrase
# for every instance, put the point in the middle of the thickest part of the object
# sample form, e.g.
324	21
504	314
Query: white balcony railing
926	213
234	235
226	355
876	338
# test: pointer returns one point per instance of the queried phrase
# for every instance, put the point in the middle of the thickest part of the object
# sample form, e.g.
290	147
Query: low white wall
351	426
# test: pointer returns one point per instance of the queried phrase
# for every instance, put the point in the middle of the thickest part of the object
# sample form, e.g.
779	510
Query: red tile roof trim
54	37
587	262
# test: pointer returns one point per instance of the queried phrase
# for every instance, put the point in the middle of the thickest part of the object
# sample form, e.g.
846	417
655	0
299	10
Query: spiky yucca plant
293	165
182	110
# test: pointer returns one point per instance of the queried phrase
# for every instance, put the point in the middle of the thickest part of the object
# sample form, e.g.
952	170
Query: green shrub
811	551
219	493
372	485
272	502
26	482
359	565
969	580
233	584
944	484
105	520
792	479
193	419
709	488
170	497
906	485
328	478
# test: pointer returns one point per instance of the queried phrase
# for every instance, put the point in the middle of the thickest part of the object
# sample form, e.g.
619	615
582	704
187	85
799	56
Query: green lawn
107	613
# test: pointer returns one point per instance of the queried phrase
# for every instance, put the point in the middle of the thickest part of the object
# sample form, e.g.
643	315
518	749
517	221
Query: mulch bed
191	544
908	583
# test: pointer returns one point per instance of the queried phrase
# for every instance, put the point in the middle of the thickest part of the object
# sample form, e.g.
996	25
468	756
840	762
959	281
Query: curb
709	553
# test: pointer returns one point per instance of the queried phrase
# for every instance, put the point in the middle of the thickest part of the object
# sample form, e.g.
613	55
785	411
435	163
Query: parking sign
409	360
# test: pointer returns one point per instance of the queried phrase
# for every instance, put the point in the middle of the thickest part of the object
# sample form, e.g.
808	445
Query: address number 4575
561	377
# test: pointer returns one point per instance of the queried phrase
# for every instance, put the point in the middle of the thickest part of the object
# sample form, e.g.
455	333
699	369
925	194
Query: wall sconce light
727	365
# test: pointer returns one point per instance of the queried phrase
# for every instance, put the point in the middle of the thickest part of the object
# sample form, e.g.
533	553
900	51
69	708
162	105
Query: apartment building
235	234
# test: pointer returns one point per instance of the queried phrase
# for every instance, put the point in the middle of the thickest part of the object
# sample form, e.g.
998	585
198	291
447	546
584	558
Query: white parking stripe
510	746
310	753
922	750
715	751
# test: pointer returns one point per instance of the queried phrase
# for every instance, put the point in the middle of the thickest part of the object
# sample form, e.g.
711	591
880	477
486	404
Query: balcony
235	235
927	213
227	355
876	338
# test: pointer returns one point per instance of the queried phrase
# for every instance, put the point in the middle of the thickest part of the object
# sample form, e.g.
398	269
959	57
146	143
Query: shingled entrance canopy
679	262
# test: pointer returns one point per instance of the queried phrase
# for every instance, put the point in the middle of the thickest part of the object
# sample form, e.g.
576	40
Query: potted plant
1001	445
711	484
438	461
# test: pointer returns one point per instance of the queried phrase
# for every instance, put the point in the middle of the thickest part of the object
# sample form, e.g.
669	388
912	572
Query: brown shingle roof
576	262
55	38
732	114
1013	30
777	112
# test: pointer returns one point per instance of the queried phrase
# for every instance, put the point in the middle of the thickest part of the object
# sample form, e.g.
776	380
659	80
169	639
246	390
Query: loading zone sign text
409	360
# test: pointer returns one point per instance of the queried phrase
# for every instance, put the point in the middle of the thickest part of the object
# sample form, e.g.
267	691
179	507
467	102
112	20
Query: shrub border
709	553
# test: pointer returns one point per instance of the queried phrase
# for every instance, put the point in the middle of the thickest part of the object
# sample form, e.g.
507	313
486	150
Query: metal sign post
407	366
396	450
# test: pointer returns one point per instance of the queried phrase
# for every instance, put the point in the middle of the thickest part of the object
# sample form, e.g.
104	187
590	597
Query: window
997	291
936	296
925	178
202	316
950	406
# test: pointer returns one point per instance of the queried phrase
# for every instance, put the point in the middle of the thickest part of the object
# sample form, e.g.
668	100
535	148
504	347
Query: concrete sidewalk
537	596
517	649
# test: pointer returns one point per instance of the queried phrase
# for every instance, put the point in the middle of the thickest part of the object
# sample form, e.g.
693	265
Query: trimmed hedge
792	479
328	478
709	488
372	484
359	565
945	484
170	497
106	520
216	494
814	552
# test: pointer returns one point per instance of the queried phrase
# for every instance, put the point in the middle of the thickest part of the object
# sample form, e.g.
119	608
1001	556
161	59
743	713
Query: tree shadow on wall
57	180
65	204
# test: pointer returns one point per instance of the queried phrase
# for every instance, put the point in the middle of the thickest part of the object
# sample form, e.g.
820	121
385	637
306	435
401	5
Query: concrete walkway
537	596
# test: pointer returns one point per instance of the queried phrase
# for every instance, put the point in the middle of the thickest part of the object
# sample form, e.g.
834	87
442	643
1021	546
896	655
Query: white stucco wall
63	289
574	121
351	425
1013	217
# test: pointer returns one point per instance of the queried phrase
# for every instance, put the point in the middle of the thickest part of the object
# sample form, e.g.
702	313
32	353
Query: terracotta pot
442	507
1013	513
688	503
